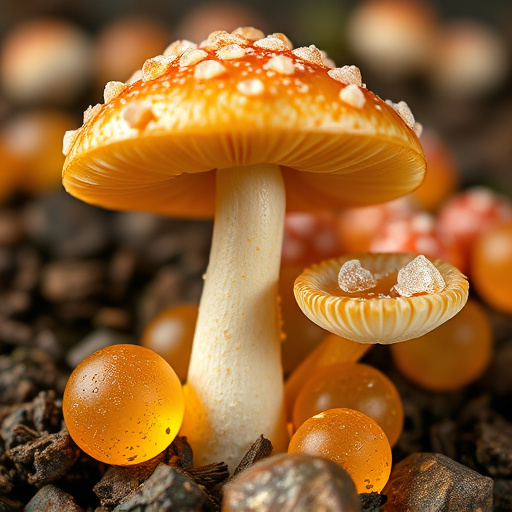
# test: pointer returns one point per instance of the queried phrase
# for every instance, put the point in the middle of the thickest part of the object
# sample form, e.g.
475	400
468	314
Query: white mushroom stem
234	390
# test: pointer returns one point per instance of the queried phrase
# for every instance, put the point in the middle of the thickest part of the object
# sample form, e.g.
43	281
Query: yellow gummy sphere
351	439
451	356
123	405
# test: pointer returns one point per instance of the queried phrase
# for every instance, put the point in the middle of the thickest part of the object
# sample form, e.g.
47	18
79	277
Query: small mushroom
387	312
225	129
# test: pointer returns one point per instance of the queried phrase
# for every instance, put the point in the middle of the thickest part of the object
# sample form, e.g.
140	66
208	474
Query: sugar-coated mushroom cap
241	99
380	319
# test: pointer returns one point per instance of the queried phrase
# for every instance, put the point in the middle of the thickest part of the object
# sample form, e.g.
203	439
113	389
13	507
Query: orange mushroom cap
241	99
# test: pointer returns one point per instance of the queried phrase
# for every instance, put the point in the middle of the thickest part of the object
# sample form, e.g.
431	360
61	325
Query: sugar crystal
221	38
231	51
347	75
309	54
156	67
419	276
250	33
69	139
353	278
403	110
178	47
192	56
91	111
327	61
271	43
112	90
283	38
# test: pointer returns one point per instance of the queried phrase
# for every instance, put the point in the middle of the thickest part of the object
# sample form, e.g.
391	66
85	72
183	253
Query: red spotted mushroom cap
240	99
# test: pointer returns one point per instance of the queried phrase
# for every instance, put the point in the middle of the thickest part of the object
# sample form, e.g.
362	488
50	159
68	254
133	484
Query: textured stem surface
234	390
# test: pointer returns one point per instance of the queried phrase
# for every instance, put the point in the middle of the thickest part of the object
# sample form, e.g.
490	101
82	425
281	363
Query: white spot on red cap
251	87
138	115
208	69
353	96
281	64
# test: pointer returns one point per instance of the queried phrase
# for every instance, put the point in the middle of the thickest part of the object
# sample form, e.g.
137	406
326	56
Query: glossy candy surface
354	386
170	334
451	356
351	439
332	350
123	405
491	267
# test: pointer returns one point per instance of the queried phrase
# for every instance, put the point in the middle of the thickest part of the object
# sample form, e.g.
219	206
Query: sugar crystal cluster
419	276
353	278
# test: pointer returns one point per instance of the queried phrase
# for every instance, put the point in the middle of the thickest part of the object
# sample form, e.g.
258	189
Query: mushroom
389	298
226	128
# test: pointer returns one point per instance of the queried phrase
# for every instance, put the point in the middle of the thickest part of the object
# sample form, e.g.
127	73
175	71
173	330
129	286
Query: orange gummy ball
170	334
352	386
351	439
491	267
123	405
451	356
332	350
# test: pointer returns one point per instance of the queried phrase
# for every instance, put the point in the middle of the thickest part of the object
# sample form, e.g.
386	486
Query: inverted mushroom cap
241	99
378	319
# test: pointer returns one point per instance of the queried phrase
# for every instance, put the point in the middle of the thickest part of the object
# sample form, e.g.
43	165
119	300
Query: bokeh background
450	60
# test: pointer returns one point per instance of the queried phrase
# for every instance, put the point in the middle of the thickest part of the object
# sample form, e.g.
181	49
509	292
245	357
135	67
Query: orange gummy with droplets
351	439
452	355
123	405
170	334
353	386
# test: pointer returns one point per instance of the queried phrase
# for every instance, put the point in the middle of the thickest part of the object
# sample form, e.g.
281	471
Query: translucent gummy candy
353	278
419	276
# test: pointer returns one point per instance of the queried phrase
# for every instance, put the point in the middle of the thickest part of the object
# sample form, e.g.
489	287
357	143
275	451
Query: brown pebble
432	482
168	490
52	499
372	501
11	228
292	482
64	281
119	482
45	459
502	494
494	448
